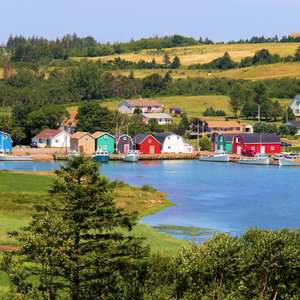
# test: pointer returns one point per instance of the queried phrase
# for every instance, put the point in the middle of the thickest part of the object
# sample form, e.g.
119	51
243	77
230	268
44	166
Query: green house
104	141
224	142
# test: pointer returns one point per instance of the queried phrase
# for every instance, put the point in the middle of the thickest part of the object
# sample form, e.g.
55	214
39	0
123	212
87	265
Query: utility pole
286	115
258	113
198	137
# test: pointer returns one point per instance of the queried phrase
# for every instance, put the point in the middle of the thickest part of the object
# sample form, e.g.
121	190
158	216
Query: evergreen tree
293	130
176	63
184	122
73	245
166	61
297	55
291	115
246	110
283	130
276	110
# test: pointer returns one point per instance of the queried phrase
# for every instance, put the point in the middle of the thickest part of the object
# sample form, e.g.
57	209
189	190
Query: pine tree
166	61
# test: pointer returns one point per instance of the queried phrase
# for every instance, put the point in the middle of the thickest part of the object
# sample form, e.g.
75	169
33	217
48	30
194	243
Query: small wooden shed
83	142
123	143
146	143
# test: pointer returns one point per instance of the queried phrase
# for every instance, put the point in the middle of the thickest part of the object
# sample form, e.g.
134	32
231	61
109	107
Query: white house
173	143
146	106
162	118
295	106
52	138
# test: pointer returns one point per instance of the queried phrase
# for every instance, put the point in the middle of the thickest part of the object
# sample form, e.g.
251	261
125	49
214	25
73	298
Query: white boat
259	159
219	156
131	156
289	161
6	157
73	153
101	156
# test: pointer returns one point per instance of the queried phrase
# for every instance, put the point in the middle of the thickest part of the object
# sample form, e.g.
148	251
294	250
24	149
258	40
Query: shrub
148	188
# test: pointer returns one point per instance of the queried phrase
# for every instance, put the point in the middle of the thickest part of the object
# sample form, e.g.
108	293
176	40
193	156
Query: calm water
220	196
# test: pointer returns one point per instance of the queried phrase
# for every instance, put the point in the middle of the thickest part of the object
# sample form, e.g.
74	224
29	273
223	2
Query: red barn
261	143
146	143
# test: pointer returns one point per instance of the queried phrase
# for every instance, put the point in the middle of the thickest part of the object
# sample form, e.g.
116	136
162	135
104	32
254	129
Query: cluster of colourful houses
119	143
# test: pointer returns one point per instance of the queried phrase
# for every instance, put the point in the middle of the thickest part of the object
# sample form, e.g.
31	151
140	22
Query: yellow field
207	53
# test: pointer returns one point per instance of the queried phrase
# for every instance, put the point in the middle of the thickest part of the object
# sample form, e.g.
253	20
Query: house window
272	148
5	136
237	140
149	108
297	103
218	129
168	138
104	147
221	139
40	140
252	148
57	140
297	111
149	141
86	139
105	137
225	129
234	128
178	138
169	147
124	138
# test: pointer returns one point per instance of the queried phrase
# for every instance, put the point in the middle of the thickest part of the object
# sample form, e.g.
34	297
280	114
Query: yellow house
228	127
82	142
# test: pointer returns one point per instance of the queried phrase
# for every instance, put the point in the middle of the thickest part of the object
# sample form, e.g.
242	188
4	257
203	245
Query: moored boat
131	156
259	159
6	157
219	156
289	161
101	156
73	153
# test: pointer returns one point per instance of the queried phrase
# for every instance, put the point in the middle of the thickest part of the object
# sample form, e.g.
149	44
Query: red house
261	143
146	143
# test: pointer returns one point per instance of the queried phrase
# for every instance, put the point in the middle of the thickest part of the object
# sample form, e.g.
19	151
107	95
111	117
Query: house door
151	149
221	147
126	148
238	150
262	149
80	149
176	149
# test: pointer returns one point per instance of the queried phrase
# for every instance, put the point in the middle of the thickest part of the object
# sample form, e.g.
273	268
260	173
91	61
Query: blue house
5	142
296	123
295	106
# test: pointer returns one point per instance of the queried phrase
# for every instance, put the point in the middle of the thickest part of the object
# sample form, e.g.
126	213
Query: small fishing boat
259	159
73	153
131	156
101	156
6	157
219	156
289	161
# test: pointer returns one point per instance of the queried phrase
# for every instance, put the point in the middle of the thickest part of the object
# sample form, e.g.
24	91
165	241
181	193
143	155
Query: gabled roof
49	134
97	134
228	137
71	121
140	137
297	98
80	134
6	134
156	116
297	123
118	136
137	103
256	138
223	124
162	136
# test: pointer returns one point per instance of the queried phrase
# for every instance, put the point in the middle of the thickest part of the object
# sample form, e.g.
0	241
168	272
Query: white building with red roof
52	138
146	106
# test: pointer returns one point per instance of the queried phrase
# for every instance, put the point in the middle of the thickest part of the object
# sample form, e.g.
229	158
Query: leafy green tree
184	122
260	92
264	127
276	110
226	62
260	56
73	245
137	125
154	126
297	55
254	110
17	135
236	100
166	61
176	63
246	110
291	115
283	130
93	117
266	109
293	130
205	143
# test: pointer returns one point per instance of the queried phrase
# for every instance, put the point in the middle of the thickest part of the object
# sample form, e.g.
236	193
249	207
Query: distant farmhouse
295	34
161	118
146	106
295	106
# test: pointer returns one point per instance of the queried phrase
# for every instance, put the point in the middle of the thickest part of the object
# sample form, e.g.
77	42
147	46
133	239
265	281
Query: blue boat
101	156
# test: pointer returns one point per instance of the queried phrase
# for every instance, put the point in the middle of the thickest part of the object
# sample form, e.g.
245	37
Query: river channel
226	197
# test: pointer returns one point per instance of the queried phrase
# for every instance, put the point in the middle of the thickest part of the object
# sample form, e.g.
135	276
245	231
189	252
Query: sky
120	20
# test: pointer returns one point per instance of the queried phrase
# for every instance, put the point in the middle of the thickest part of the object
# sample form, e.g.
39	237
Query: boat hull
101	158
16	158
259	161
224	158
289	162
130	158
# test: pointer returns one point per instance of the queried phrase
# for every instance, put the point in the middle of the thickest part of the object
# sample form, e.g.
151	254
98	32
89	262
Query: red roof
48	134
71	121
